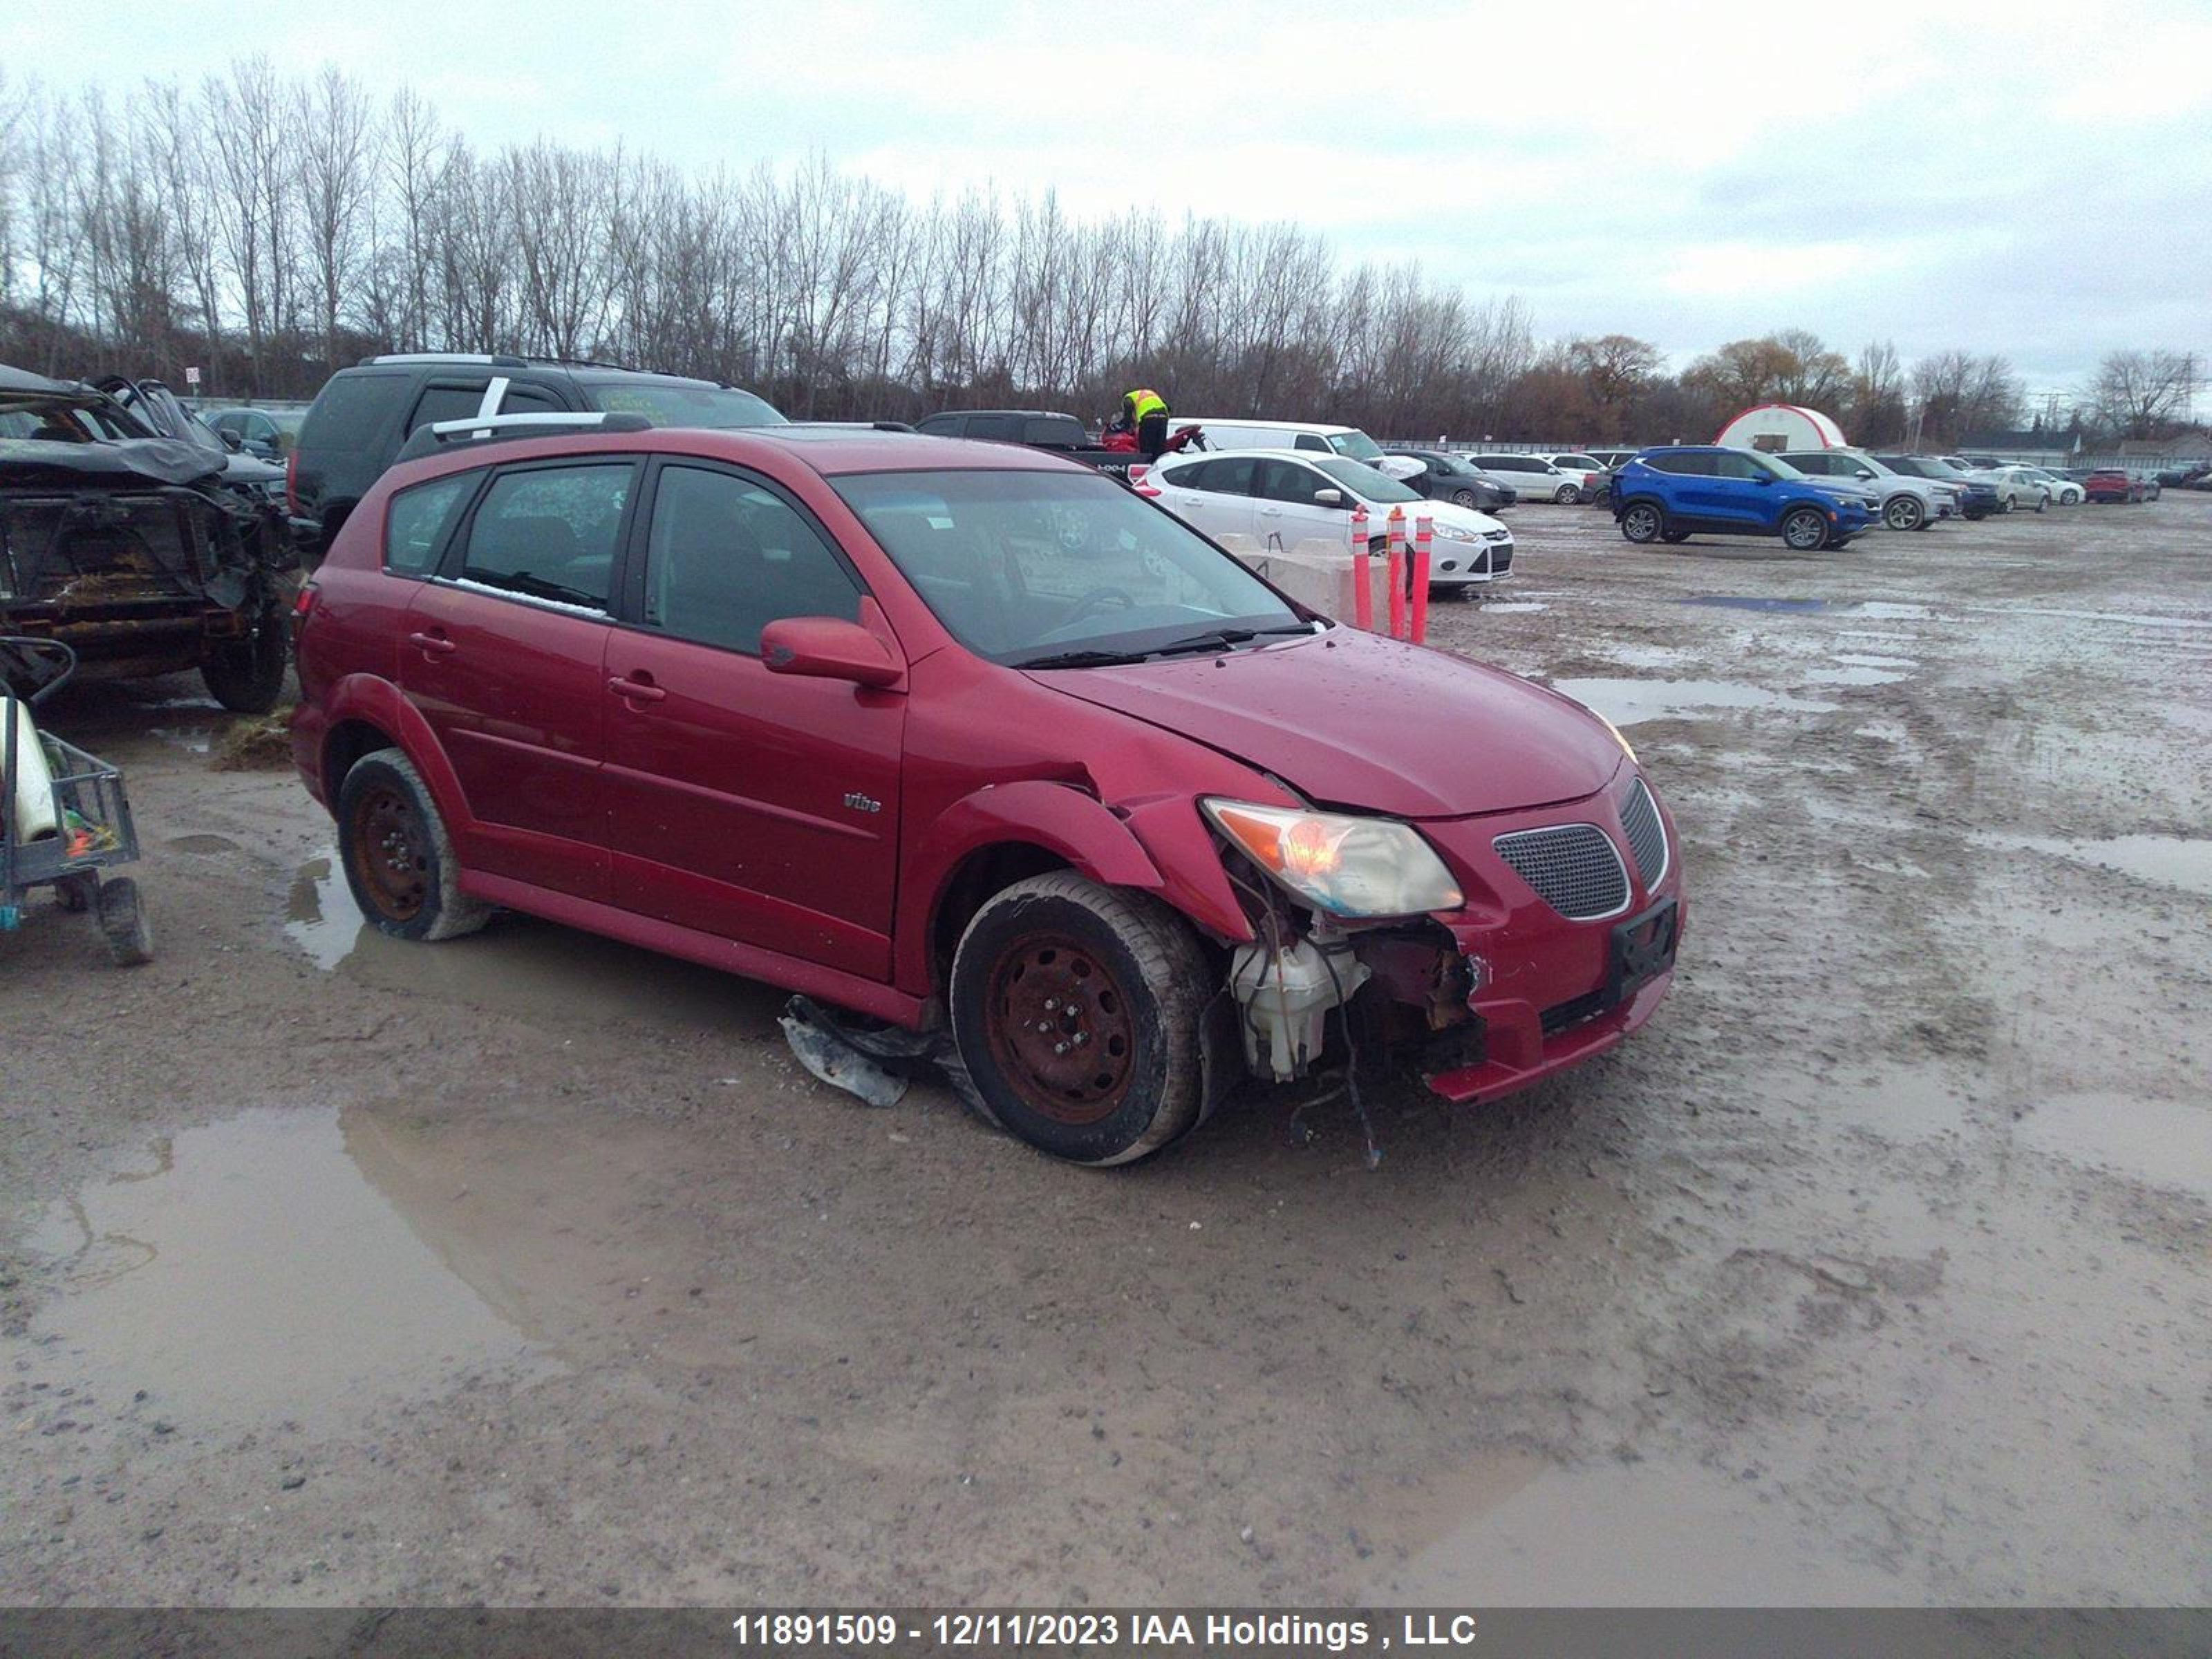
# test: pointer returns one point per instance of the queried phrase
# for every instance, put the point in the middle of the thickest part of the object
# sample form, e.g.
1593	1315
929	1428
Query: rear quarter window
418	521
352	410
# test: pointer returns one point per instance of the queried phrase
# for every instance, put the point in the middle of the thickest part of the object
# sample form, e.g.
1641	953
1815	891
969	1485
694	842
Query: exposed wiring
1352	1065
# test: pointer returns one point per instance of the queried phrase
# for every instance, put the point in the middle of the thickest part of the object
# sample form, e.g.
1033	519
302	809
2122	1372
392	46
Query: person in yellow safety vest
1147	412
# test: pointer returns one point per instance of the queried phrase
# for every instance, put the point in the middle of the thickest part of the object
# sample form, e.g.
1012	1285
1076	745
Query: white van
1347	441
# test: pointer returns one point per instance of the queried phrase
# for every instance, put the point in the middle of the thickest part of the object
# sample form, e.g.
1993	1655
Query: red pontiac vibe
961	735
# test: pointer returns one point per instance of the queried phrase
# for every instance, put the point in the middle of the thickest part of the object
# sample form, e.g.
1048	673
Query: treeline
268	229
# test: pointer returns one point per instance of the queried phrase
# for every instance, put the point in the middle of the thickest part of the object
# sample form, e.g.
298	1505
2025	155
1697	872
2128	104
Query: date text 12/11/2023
1025	1628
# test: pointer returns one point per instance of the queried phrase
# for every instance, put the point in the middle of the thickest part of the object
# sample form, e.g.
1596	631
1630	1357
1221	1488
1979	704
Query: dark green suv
364	414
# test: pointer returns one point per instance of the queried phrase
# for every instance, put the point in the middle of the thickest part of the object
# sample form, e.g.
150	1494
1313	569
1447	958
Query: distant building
1777	426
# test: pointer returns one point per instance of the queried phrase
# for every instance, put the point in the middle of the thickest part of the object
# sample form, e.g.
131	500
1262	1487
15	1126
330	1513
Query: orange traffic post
1395	568
1423	534
1363	596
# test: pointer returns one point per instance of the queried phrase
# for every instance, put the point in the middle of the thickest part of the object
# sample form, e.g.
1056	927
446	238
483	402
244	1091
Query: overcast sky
2037	185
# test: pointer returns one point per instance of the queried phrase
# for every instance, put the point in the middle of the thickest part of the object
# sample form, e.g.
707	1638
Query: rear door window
998	428
550	533
1230	476
1308	441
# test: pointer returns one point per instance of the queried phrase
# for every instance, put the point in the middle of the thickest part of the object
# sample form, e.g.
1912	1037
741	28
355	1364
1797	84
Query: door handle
436	645
641	690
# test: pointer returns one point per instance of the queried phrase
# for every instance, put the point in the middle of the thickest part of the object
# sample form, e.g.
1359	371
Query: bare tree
337	145
2146	394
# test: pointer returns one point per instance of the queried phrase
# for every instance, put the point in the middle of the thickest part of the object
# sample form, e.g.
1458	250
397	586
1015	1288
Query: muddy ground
530	1268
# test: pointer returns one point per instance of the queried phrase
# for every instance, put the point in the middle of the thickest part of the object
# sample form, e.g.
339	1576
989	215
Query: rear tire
1567	494
398	857
1079	1011
123	923
1643	523
247	676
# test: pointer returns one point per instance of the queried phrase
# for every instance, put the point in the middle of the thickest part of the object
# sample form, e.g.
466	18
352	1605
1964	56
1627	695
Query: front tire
2043	500
1463	498
1079	1011
1567	494
1905	513
1642	523
398	857
1804	530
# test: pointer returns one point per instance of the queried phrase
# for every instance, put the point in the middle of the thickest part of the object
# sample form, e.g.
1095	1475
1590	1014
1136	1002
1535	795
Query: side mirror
231	441
828	648
1329	498
1864	473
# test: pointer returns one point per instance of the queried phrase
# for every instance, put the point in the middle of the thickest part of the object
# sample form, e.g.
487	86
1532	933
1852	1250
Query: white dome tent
1774	428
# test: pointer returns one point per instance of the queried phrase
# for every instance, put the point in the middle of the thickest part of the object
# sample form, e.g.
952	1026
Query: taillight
292	486
305	603
1149	491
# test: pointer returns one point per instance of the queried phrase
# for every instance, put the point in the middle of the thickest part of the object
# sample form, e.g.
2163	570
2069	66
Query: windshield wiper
1221	638
1082	660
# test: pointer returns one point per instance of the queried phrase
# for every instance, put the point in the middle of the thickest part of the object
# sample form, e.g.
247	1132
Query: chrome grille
1574	867
1647	837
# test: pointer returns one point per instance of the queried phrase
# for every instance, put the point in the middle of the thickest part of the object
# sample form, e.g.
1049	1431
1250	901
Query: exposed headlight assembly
1347	866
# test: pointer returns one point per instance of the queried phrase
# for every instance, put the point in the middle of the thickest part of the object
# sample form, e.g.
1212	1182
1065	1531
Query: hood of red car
1355	721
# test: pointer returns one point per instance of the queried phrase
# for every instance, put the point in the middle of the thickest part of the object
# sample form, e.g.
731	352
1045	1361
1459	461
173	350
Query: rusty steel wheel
1060	1028
398	858
1080	1011
386	851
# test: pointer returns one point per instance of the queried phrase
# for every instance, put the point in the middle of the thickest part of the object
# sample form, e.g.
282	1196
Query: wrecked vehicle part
132	550
872	1060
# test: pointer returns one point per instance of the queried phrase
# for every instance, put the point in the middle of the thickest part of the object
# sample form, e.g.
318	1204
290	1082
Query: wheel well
348	742
986	871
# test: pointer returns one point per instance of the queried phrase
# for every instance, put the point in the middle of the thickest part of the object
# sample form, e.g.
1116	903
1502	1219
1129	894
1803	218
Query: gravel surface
530	1268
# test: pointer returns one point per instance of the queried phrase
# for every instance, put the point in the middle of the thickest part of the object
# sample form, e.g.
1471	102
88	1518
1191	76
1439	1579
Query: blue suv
1668	495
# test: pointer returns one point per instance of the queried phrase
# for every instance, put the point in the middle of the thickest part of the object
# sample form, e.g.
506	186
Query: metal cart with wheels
63	815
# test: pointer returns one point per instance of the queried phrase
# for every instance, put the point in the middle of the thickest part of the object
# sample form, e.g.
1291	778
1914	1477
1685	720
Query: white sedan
2064	492
2018	486
1279	498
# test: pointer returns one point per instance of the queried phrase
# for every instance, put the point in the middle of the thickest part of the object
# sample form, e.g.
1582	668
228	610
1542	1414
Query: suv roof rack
507	360
496	428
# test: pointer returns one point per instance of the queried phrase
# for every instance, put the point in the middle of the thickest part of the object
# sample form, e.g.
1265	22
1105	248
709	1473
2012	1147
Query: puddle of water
521	966
193	741
201	844
2167	1143
319	914
1858	660
253	1273
2133	619
1625	701
1643	1535
1856	674
1736	602
2169	859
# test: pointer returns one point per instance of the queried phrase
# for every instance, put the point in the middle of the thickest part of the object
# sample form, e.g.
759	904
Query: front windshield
1023	568
1364	482
671	402
1457	467
1357	445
